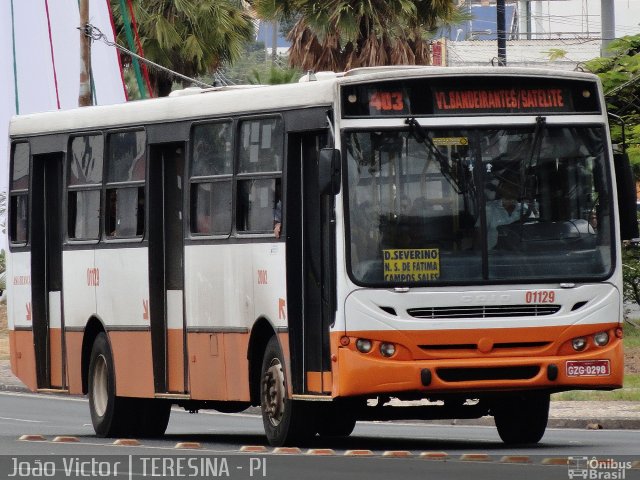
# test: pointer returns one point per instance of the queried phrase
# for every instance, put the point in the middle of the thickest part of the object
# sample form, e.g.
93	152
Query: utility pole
274	43
608	20
502	34
84	99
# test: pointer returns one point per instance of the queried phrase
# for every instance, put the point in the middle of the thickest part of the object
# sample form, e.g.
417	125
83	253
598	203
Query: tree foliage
620	76
342	34
192	37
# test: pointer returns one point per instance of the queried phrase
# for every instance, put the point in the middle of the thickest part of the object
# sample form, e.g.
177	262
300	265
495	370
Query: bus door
166	266
310	258
46	270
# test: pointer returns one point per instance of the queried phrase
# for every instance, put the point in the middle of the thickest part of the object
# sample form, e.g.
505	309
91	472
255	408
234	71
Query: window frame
107	186
211	179
24	193
259	175
83	188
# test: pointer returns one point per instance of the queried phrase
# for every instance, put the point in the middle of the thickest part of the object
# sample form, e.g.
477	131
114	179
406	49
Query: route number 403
540	296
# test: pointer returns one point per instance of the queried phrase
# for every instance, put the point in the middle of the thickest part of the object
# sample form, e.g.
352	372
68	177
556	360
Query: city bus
381	244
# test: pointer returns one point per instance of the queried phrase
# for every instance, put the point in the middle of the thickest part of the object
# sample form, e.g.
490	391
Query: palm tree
193	37
342	34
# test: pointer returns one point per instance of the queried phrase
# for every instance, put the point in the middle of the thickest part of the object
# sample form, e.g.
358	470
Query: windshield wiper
536	147
418	133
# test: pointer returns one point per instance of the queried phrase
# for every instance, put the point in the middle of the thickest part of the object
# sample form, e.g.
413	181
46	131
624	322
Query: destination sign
503	100
470	95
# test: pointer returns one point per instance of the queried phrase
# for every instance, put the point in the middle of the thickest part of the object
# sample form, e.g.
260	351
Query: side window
19	194
124	198
211	179
258	206
84	182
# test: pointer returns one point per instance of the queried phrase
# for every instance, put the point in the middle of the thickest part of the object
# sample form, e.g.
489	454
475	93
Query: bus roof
227	101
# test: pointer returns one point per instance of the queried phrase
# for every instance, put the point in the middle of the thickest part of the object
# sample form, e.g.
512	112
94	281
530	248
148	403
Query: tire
337	427
522	419
336	420
110	414
286	421
151	417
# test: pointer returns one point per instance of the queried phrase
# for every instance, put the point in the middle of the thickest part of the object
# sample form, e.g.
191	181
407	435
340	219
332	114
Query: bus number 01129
540	296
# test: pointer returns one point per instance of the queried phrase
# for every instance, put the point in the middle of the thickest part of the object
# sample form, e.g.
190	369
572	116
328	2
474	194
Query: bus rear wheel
285	420
522	418
109	413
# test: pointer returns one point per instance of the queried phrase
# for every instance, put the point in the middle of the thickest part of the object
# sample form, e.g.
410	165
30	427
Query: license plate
588	368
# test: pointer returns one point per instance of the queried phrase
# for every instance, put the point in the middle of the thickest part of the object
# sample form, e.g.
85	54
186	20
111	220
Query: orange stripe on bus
456	343
133	363
175	364
218	366
74	361
23	360
355	373
319	382
55	356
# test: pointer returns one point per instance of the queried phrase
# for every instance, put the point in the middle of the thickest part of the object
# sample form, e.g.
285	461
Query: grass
631	337
629	393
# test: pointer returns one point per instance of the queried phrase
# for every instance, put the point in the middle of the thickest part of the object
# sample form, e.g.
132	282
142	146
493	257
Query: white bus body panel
122	297
363	312
225	285
19	294
79	277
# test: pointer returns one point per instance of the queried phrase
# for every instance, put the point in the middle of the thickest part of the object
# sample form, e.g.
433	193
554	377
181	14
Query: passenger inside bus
505	209
277	211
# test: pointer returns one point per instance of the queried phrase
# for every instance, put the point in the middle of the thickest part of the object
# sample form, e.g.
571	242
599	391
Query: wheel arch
261	333
92	330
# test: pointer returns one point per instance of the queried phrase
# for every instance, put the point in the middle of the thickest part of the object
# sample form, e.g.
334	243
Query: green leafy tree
342	34
631	274
192	37
620	76
274	76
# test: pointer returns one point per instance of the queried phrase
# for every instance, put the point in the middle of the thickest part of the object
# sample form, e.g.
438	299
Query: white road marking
22	420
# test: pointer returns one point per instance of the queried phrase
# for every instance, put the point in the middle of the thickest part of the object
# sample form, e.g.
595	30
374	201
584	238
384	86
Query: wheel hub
273	392
99	392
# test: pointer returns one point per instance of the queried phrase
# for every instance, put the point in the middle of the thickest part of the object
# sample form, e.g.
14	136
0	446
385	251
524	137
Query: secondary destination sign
411	264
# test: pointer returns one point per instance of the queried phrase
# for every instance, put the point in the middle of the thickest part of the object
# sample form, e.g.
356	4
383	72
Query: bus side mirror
329	171
626	197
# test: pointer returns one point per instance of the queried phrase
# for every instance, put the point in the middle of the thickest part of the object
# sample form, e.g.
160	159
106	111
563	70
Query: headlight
579	344
601	339
387	349
363	345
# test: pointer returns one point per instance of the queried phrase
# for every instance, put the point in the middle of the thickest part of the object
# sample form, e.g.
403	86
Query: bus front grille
484	311
525	372
474	346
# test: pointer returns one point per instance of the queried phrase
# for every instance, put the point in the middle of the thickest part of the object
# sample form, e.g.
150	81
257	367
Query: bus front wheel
522	418
108	412
285	420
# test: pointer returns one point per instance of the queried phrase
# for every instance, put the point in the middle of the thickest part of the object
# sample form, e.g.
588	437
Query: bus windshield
474	205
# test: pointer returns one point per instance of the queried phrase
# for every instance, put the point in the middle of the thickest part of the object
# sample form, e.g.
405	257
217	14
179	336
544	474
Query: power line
94	33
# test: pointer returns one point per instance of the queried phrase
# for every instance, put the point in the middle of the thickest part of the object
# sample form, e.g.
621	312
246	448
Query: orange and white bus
447	235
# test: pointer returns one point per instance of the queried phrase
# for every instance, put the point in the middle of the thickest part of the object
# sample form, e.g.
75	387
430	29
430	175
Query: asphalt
596	415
